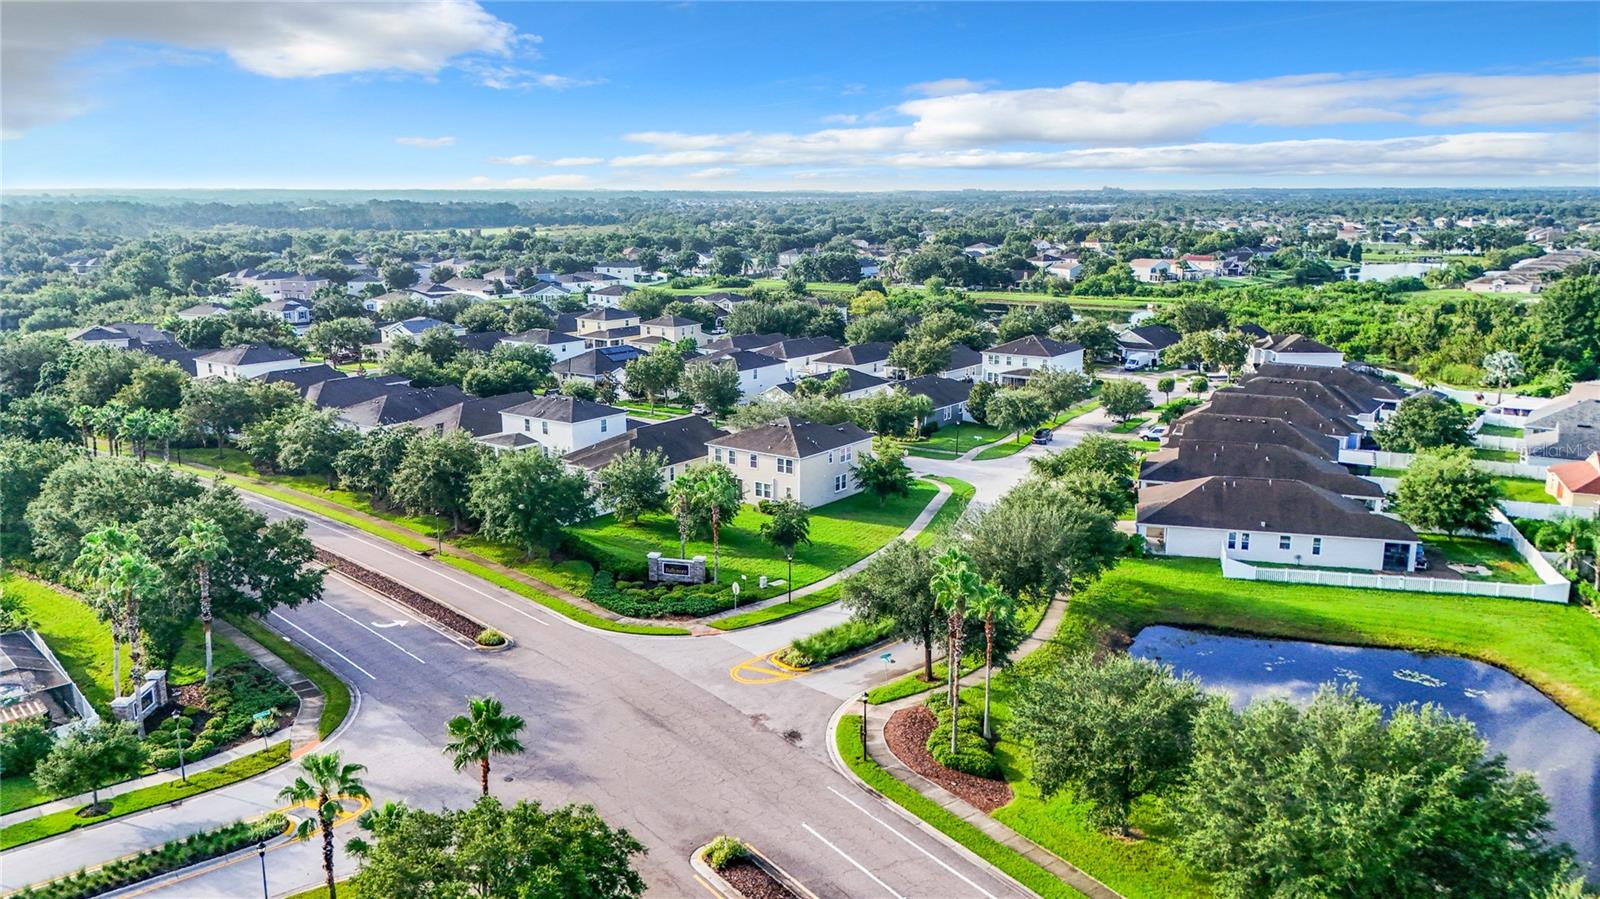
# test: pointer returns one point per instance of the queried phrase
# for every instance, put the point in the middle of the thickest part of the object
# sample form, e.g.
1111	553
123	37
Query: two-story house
294	312
562	424
1014	362
607	326
248	361
758	372
672	328
867	358
793	459
1294	349
621	269
559	345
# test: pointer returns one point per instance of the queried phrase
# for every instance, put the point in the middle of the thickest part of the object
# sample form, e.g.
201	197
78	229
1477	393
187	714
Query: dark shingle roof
1034	345
251	354
1157	337
1294	343
1191	459
338	393
854	380
563	408
598	361
796	347
673	321
303	377
741	359
1218	428
1264	505
1291	409
402	406
1353	381
607	314
744	341
1328	399
478	416
858	354
941	392
543	337
679	440
793	438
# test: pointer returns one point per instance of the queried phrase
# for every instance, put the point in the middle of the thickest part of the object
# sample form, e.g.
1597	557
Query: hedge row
973	754
163	859
637	600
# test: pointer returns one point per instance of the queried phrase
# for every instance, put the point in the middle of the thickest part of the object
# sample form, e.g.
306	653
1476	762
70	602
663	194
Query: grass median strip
556	604
138	800
335	695
1030	875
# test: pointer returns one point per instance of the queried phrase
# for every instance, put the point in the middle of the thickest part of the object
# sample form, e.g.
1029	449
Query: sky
797	96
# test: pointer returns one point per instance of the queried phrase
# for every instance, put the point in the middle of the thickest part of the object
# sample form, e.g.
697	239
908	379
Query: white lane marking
859	866
331	606
388	624
913	844
357	536
336	652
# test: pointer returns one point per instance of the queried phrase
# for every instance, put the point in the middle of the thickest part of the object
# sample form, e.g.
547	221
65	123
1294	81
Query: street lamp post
863	726
261	850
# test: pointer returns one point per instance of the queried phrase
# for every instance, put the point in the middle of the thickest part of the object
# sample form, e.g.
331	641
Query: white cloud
712	174
568	161
426	143
41	41
528	159
508	76
524	159
545	182
945	87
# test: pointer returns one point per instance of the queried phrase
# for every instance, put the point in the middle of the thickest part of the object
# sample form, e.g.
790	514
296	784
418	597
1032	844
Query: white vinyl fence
1381	459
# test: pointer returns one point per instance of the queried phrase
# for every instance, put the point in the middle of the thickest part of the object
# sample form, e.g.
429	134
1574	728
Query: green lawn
149	797
1524	490
951	441
1500	431
1504	563
841	533
1494	455
949	513
335	695
82	642
347	890
1554	647
1129	426
20	792
1011	447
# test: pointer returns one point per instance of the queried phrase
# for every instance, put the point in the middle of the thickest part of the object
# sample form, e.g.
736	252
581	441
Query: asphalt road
651	731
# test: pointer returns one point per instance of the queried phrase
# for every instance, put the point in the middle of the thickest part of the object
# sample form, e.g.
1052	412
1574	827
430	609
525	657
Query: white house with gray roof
562	424
251	361
793	459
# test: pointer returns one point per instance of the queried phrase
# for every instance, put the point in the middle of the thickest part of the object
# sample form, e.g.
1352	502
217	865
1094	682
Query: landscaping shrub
163	859
22	745
840	639
724	851
629	566
491	637
973	755
636	600
235	694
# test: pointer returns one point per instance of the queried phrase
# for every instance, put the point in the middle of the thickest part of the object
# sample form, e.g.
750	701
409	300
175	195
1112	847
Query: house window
1285	541
785	466
763	490
1316	546
788	492
604	425
830	457
1233	539
752	460
716	453
544	427
527	424
994	360
846	454
841	483
1244	540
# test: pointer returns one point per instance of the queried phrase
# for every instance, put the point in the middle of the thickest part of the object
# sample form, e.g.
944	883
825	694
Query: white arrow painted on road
398	622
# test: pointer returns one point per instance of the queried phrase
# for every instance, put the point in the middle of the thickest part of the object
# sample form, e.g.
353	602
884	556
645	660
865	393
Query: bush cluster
165	858
638	600
974	755
625	566
23	745
491	637
235	694
724	851
840	639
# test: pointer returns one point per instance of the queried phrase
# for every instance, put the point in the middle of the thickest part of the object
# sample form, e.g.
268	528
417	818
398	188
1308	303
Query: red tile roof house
1575	485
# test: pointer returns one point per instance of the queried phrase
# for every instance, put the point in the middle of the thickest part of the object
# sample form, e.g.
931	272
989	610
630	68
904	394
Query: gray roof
858	354
1217	428
1034	345
679	440
613	333
741	359
180	356
744	341
402	406
1191	459
598	361
1329	399
1292	409
942	392
1577	427
673	321
854	380
1265	505
1157	337
303	377
250	354
793	438
796	347
418	324
563	408
338	393
1294	343
542	337
1352	380
607	314
479	417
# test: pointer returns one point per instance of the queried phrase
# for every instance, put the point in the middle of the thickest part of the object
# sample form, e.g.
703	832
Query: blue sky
805	96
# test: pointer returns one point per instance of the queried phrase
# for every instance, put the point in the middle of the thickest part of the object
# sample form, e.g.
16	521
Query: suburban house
560	346
758	372
36	685
546	291
1273	521
855	385
400	405
621	269
680	441
1291	409
1355	384
752	342
949	398
673	328
867	358
965	364
561	424
476	288
294	312
1142	346
277	285
303	377
610	295
1568	428
1211	427
415	327
1014	362
249	361
793	459
1192	459
1295	349
798	353
601	363
1527	276
103	335
478	416
1329	398
1576	484
202	310
1150	271
787	258
1200	266
606	327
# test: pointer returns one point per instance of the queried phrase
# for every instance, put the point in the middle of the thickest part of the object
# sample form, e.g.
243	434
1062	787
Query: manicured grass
912	683
843	639
335	695
848	739
951	441
347	890
1494	455
1556	648
82	642
1500	431
1524	490
949	513
1388	472
1145	446
1011	447
842	533
18	792
661	412
1129	426
556	604
780	610
149	797
1504	563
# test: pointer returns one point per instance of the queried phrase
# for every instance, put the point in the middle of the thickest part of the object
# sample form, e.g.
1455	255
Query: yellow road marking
763	669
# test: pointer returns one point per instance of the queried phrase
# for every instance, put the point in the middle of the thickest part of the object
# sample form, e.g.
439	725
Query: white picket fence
1241	570
1494	442
1380	459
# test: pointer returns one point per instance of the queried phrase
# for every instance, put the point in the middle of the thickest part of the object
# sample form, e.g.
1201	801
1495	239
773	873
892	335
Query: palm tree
989	602
378	821
199	548
682	496
953	583
136	427
326	782
82	418
484	731
789	526
719	493
1570	533
163	427
115	561
108	421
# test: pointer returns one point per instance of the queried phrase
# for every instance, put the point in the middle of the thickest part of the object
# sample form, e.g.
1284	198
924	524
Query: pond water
1533	733
1383	271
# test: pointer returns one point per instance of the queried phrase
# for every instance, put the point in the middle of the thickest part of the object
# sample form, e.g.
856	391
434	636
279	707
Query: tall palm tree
484	731
954	581
681	494
115	563
136	427
719	492
324	785
164	426
988	603
199	549
82	418
1571	533
108	421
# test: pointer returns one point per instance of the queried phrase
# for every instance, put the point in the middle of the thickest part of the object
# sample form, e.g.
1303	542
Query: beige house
1575	485
793	459
673	328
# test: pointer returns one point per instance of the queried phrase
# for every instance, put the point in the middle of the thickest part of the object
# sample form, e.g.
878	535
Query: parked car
1043	435
1154	432
700	409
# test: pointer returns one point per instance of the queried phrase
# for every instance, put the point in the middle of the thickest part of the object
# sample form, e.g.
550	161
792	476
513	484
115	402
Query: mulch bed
402	594
750	880
907	734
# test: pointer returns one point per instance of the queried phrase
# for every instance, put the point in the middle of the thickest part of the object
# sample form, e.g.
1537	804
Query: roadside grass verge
556	604
844	638
848	739
335	695
778	611
1010	447
943	520
1129	426
138	800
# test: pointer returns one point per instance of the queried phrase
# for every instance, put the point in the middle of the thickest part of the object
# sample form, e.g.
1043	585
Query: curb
714	881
